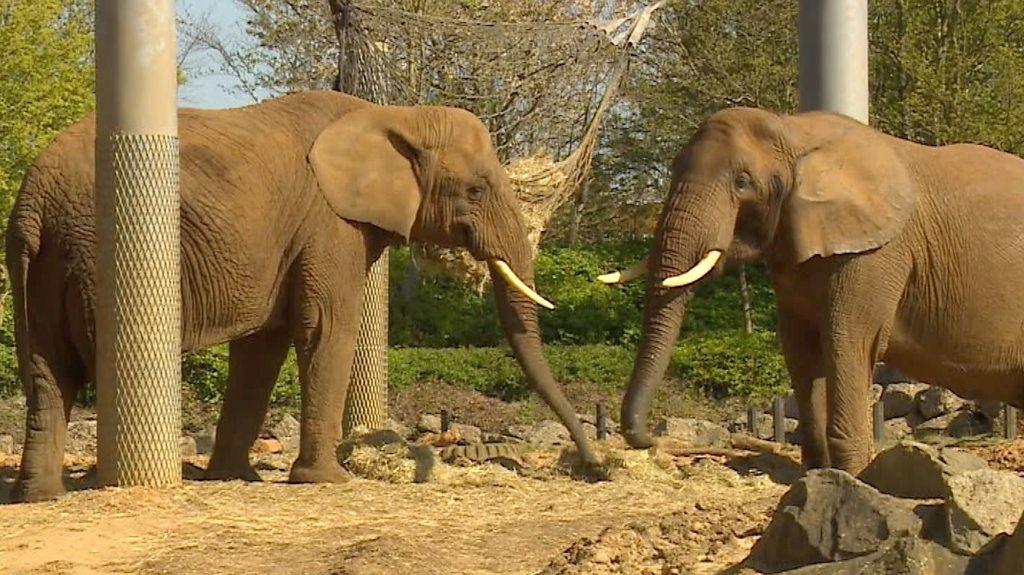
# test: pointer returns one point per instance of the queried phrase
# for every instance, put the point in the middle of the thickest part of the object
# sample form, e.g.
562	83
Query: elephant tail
22	245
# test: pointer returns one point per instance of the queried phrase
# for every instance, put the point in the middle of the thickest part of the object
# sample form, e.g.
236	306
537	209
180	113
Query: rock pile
915	509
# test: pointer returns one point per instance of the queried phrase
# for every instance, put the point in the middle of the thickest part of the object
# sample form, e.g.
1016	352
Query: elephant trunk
688	244
518	316
663	317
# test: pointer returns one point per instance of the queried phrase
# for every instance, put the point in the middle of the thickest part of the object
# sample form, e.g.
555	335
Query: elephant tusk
696	272
511	277
638	270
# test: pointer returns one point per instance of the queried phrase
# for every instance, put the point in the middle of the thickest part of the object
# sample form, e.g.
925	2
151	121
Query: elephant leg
253	366
327	322
51	384
802	349
863	297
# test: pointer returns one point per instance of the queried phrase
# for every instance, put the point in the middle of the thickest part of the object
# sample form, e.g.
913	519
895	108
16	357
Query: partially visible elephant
877	249
284	206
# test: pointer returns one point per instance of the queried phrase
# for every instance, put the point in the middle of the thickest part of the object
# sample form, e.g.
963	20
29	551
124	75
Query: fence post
779	420
878	421
1010	418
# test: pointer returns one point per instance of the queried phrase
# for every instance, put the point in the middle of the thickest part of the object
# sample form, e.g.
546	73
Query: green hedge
443	313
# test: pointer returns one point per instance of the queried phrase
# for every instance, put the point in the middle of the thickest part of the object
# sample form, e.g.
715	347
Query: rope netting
541	87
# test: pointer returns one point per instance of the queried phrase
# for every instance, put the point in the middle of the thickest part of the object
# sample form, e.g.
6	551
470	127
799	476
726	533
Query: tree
46	80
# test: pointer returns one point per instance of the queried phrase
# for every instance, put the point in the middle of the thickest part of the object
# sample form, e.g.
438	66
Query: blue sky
209	91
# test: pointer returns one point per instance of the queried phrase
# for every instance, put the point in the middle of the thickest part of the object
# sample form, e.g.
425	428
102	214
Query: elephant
877	248
284	206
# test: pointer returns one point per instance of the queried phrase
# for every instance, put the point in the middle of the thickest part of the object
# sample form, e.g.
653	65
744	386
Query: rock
876	393
6	444
548	432
205	441
886	375
398	427
695	432
981	504
989	409
468	434
906	556
902	427
936	401
266	446
287	432
900	399
764	427
831	516
187	446
81	437
1011	558
429	423
917	471
955	424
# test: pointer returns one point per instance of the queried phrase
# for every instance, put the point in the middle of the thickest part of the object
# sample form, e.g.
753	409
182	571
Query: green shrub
730	364
441	312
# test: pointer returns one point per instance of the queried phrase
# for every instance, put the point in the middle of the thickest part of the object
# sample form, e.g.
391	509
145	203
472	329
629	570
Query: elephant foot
328	472
638	438
218	470
29	491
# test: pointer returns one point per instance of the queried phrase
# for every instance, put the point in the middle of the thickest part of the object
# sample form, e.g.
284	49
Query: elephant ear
851	194
365	166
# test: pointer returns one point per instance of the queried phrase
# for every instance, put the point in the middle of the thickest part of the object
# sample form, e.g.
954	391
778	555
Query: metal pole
833	44
138	333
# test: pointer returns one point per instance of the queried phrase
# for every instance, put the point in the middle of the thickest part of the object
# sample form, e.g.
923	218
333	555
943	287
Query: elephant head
751	184
431	174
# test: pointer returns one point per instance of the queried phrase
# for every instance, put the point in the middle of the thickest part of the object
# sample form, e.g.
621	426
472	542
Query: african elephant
284	205
877	249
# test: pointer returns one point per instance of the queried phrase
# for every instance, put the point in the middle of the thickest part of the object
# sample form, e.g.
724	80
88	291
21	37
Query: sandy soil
495	522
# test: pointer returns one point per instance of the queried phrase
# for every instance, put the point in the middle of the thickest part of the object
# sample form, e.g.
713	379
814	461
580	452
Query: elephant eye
742	181
476	193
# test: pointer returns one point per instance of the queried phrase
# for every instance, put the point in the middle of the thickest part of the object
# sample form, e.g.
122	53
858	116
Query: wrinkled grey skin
274	252
877	249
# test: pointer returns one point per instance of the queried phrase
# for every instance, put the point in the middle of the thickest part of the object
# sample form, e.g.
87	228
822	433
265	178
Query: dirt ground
491	521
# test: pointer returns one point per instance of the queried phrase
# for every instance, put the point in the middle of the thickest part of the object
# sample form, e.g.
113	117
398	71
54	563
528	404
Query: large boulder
831	516
1011	558
900	399
694	432
886	374
936	401
981	504
964	423
906	556
917	471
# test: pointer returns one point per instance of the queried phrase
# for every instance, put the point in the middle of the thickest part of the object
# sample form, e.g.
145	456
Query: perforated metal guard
138	321
367	403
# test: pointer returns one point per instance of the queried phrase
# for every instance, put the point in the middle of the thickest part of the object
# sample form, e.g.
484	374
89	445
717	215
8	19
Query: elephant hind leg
253	366
52	380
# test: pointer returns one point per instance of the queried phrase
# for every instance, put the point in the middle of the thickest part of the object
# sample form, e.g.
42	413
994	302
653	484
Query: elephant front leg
801	347
254	364
325	346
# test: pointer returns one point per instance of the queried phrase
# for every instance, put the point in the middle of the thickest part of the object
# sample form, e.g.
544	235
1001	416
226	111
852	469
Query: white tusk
511	277
638	270
696	272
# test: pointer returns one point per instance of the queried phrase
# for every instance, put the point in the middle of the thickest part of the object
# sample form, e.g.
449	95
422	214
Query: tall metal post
367	402
833	44
138	314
